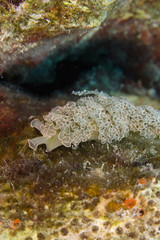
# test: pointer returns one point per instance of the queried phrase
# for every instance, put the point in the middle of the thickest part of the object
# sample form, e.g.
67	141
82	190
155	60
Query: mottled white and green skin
95	116
51	142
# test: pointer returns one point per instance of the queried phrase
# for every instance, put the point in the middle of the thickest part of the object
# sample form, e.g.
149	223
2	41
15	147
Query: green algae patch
140	9
94	190
113	206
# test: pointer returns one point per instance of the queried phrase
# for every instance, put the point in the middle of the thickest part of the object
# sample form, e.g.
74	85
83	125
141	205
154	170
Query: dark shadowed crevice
106	64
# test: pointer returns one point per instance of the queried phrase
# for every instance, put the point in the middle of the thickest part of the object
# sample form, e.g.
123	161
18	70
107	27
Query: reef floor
93	192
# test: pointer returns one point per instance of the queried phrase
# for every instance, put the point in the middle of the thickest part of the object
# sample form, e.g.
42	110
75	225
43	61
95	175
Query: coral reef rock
109	45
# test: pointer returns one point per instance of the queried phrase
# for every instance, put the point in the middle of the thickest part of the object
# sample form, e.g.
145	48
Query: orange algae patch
17	223
130	202
142	181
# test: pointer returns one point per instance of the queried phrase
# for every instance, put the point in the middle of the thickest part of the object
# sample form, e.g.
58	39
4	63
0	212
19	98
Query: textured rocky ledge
125	47
94	191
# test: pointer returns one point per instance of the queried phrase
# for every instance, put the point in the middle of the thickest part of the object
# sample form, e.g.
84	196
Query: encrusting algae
30	18
95	116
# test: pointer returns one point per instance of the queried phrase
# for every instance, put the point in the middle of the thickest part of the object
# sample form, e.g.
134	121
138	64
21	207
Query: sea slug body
95	116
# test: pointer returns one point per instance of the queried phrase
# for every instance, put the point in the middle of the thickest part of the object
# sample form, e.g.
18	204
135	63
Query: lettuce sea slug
95	116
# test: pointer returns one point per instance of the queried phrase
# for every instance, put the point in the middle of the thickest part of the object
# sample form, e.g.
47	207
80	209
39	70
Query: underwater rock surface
108	191
125	47
33	30
95	191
